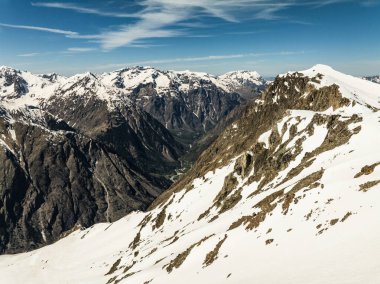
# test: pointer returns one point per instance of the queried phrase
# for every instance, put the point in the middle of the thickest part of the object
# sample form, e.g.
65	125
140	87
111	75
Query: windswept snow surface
330	234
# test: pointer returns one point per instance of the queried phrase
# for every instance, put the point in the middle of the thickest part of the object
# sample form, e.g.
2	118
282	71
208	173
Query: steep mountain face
295	195
74	154
187	103
375	79
54	178
112	118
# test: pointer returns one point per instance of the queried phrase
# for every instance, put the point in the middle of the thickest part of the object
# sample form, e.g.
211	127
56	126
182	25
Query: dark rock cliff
54	176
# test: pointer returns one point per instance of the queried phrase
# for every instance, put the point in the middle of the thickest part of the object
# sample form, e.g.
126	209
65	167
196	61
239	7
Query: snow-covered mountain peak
20	88
130	79
167	81
242	74
191	100
127	81
194	73
87	86
87	76
241	79
322	68
363	95
29	76
4	68
374	79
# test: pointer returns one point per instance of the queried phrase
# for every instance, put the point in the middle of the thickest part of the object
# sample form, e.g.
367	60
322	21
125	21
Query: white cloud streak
69	34
84	10
29	54
42	29
70	50
80	49
199	59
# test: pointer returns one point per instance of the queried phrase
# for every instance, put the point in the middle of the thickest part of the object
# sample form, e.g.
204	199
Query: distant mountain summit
246	83
375	79
91	148
286	193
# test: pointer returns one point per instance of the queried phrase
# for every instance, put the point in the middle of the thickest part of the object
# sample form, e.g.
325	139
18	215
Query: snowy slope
293	200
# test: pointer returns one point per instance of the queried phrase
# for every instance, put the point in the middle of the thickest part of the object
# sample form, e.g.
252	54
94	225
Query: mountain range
285	192
92	148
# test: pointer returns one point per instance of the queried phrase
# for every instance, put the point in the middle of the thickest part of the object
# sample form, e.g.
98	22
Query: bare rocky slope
286	194
82	150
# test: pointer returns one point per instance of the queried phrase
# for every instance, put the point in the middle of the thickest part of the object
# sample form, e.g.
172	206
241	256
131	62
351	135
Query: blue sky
213	36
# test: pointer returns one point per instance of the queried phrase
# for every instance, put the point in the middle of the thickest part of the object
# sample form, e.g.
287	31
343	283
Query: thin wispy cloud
69	34
199	59
80	9
29	54
42	29
70	50
166	18
245	32
80	49
153	19
370	3
330	2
